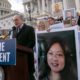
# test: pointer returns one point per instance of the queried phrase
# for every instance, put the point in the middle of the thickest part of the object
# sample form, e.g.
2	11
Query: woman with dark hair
57	62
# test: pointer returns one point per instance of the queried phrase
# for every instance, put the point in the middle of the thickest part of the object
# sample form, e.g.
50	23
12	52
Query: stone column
38	1
53	2
43	6
47	5
24	7
64	4
31	6
77	5
25	10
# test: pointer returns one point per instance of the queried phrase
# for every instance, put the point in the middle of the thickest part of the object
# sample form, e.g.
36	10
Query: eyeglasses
56	53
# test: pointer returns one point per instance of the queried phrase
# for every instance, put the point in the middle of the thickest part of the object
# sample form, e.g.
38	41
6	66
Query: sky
17	5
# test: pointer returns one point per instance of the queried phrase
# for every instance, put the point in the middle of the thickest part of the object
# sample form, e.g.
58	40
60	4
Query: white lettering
2	46
4	57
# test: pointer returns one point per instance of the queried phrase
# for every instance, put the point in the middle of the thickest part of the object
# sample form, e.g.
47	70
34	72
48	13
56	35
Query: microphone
13	29
14	32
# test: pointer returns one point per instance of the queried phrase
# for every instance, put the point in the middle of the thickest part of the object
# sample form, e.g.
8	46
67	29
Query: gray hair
20	16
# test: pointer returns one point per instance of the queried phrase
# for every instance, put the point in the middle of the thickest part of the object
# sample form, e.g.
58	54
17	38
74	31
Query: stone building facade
46	7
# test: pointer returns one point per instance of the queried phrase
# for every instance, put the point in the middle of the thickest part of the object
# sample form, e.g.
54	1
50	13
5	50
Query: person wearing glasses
58	63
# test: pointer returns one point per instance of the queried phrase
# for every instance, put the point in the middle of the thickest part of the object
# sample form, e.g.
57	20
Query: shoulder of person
27	26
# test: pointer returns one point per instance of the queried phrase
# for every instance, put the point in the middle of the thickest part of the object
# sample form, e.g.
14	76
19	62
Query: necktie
18	29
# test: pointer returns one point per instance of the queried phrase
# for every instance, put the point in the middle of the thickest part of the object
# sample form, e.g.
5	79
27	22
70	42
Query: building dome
5	7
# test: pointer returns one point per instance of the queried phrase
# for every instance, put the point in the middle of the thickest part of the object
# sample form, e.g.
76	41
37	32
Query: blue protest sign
8	52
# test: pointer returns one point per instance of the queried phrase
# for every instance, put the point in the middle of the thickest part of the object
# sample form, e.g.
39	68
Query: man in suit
25	36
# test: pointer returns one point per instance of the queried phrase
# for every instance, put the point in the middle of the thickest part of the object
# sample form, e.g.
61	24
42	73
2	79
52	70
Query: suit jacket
26	36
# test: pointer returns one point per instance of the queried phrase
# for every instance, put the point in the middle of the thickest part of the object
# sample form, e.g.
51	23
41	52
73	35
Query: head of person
73	22
56	55
51	20
18	20
41	25
69	14
57	58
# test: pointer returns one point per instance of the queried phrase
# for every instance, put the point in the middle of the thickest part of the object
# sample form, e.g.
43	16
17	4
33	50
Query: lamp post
29	11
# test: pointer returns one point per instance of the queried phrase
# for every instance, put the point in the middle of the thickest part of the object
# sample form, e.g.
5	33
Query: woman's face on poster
55	58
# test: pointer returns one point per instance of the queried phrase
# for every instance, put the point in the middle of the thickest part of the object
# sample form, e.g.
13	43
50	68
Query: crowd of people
68	21
57	66
57	58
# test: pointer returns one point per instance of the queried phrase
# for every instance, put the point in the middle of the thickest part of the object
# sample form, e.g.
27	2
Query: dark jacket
26	37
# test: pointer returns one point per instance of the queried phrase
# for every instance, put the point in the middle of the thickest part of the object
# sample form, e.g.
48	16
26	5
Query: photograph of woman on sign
59	61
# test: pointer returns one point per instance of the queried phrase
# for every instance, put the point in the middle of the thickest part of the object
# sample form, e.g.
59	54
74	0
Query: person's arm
31	38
